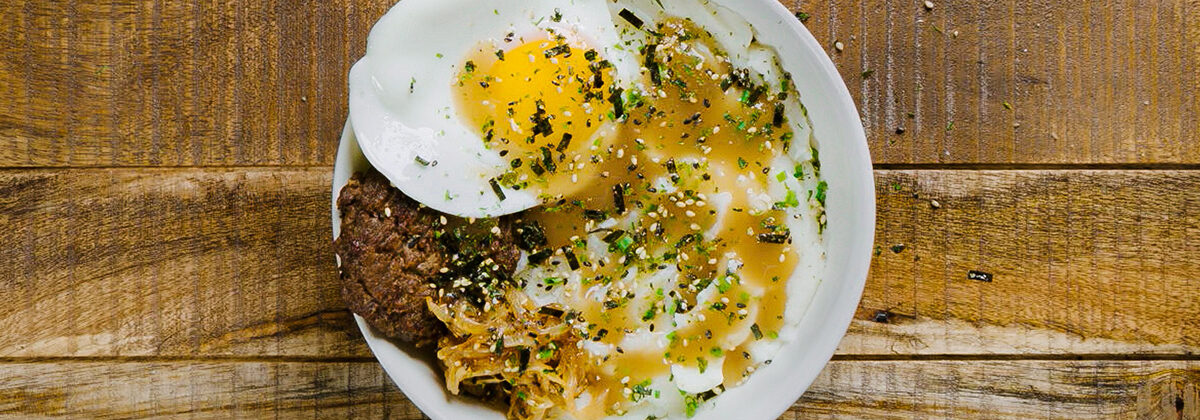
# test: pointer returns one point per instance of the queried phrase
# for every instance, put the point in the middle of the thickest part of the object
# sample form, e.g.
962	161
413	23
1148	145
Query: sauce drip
689	155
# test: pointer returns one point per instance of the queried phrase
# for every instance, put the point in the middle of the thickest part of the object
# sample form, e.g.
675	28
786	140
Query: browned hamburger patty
392	250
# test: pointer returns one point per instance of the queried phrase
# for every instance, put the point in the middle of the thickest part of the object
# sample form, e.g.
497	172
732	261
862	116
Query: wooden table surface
164	201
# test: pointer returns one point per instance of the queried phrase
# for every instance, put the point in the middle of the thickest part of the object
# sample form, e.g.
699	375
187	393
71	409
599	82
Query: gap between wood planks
876	166
836	358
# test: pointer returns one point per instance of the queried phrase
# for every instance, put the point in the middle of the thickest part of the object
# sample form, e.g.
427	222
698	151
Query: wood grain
1082	262
1003	390
155	262
218	262
134	83
846	389
1097	82
124	83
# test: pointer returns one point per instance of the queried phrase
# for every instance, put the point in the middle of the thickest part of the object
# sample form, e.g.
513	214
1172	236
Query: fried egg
662	155
403	94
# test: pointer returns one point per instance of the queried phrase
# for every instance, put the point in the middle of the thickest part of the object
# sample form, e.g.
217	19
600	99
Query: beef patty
395	253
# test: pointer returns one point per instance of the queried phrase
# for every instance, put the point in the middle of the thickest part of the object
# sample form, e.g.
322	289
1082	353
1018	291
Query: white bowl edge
846	166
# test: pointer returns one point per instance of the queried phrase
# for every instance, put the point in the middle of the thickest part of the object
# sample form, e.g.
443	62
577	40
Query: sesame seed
387	211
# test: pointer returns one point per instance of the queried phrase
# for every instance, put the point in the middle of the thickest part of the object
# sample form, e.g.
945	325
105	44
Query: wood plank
1082	262
238	262
123	83
136	83
155	262
1085	81
846	389
1003	390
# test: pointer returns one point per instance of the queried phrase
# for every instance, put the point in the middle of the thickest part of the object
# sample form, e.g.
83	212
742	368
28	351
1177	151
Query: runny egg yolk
540	105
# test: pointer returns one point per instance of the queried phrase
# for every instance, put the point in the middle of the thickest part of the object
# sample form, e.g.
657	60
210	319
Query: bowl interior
850	212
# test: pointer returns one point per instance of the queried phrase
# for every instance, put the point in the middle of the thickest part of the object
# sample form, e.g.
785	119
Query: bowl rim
841	302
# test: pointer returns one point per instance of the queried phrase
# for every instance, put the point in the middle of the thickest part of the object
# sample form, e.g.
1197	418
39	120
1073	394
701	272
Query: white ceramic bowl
850	211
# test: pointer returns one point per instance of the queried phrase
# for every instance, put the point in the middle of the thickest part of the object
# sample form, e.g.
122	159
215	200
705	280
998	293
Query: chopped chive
421	161
758	335
723	284
624	243
742	163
